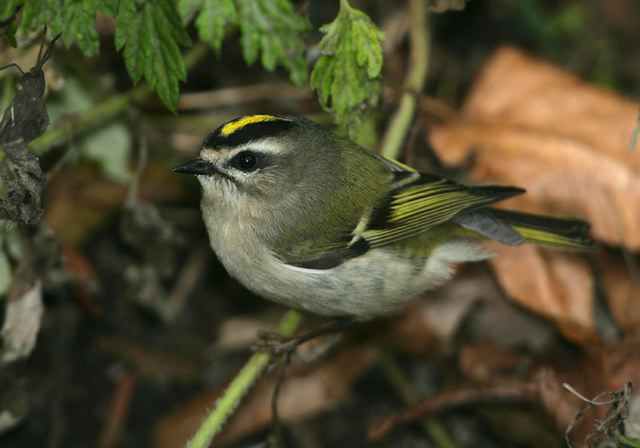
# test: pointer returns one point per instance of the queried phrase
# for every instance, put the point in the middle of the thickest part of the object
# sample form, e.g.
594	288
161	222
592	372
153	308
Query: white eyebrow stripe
265	146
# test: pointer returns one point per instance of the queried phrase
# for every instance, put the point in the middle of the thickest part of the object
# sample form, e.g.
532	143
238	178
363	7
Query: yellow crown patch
235	125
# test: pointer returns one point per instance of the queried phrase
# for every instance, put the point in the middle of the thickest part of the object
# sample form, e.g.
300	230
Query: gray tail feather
484	222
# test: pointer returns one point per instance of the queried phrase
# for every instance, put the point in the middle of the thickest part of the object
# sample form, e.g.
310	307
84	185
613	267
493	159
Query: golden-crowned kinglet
313	221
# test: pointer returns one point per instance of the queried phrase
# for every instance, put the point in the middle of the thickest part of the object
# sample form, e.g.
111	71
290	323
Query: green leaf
631	442
214	18
74	19
188	10
109	146
79	17
10	33
108	7
150	32
347	75
273	28
8	9
39	13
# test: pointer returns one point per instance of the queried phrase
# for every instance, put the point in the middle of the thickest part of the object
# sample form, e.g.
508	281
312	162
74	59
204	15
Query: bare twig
454	397
118	411
242	95
276	424
618	411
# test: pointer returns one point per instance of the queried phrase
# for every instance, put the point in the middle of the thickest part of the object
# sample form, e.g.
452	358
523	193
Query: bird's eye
245	161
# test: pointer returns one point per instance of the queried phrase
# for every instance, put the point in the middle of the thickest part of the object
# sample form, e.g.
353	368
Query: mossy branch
398	129
239	387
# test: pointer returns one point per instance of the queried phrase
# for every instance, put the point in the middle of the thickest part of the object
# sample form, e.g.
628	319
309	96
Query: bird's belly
376	283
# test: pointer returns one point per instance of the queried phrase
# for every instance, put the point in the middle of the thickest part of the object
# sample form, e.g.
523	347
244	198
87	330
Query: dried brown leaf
555	285
530	124
78	202
621	284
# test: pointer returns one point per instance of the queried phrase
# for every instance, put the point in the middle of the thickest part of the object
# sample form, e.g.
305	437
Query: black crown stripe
248	132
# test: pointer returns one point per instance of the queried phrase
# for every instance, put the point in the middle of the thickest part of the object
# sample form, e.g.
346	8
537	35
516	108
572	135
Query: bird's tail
571	234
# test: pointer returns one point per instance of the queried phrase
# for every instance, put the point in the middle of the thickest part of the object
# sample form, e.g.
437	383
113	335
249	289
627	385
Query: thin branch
241	95
414	82
454	397
244	380
119	408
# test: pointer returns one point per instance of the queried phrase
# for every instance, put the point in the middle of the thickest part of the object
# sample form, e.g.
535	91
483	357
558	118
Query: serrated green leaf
346	77
149	31
274	28
188	10
39	13
108	7
8	9
213	19
79	17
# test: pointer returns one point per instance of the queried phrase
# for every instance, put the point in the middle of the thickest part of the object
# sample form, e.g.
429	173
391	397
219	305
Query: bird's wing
415	203
418	202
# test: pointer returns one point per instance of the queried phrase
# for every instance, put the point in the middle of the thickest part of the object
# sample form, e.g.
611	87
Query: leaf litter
530	124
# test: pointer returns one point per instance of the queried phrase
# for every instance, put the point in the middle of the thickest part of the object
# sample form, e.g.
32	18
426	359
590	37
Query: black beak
197	166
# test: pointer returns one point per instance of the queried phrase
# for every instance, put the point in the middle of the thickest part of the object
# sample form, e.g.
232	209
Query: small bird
313	221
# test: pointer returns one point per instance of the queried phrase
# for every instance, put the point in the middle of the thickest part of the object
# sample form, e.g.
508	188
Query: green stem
228	402
634	443
414	82
66	129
